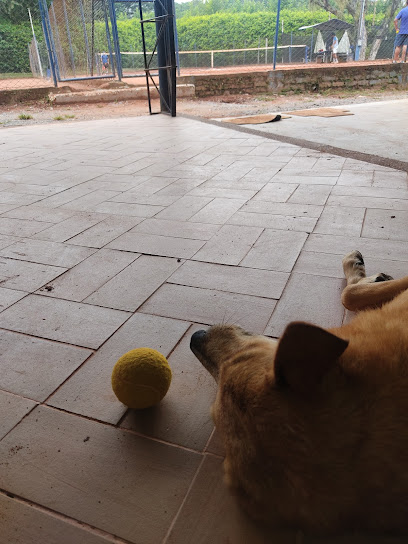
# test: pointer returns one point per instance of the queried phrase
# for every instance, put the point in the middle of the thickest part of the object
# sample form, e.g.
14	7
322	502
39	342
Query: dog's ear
305	354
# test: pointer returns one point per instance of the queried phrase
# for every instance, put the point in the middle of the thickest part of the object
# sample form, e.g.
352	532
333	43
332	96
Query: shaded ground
220	106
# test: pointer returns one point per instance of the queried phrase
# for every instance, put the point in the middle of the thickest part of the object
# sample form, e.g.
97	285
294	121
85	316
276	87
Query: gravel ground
216	107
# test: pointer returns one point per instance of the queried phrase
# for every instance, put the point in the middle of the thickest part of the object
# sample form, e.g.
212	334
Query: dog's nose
197	338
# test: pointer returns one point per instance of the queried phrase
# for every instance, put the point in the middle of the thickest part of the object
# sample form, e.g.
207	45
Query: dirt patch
213	107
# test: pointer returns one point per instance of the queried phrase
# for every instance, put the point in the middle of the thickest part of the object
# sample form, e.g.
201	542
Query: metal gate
154	55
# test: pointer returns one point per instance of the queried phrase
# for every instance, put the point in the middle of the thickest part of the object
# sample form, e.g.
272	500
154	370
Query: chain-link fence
79	36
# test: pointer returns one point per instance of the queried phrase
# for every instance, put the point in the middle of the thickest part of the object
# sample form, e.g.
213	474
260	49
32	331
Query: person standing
401	39
335	46
105	62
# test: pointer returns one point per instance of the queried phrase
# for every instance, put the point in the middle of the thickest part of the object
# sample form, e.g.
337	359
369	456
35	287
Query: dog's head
298	361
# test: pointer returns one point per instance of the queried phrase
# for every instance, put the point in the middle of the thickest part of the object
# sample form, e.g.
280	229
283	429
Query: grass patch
63	117
25	116
12	75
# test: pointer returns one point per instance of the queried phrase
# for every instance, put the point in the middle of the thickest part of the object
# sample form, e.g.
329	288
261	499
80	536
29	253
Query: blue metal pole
108	37
115	37
176	39
275	49
71	51
44	14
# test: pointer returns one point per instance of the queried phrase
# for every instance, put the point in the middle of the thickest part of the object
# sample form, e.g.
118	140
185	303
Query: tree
384	28
15	11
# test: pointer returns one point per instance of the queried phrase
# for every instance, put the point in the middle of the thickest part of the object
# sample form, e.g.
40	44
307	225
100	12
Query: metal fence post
71	51
44	16
266	50
275	49
108	37
166	55
115	36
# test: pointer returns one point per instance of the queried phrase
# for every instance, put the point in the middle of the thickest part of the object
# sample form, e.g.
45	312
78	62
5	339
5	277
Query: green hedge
217	31
14	40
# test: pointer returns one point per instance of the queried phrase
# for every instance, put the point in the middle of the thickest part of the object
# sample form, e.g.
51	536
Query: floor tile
104	232
229	245
179	188
340	220
368	201
152	244
211	514
215	444
45	470
375	192
13	408
184	208
17	198
210	306
131	287
391	180
43	252
218	211
326	264
21	227
89	275
156	199
183	416
247	281
283	177
9	297
34	368
217	192
26	276
341	245
66	196
38	213
177	229
275	250
23	523
314	299
89	201
386	224
80	324
89	392
311	194
234	183
282	208
123	209
275	192
273	221
70	227
356	178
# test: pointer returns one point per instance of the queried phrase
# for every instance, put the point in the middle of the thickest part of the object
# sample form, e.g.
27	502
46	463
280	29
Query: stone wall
301	79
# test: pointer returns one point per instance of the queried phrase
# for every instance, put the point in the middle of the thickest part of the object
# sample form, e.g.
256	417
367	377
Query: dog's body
315	425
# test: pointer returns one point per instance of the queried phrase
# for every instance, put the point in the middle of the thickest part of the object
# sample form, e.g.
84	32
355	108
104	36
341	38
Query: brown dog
315	425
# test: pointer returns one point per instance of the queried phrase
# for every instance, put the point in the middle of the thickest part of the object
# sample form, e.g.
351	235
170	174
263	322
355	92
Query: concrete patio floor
375	128
134	232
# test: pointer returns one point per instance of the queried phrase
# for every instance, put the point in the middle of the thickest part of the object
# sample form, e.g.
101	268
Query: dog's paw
354	267
382	277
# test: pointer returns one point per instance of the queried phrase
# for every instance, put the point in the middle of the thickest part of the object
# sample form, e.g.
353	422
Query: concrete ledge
25	95
112	95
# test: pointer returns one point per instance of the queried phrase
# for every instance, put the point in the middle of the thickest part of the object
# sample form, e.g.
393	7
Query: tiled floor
136	232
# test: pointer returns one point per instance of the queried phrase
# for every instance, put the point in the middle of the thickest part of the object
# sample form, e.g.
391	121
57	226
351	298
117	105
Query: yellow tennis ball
141	378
